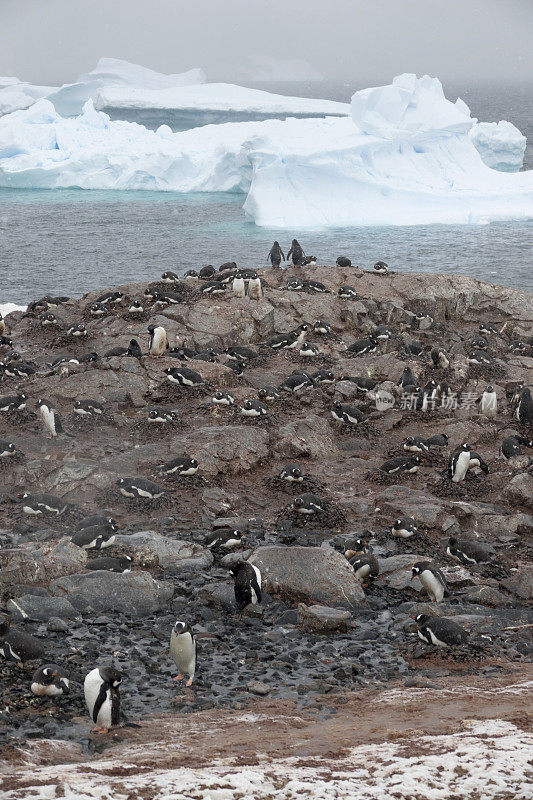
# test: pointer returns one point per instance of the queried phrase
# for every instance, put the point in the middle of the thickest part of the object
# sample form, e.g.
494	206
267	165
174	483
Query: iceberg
500	145
114	72
403	157
16	95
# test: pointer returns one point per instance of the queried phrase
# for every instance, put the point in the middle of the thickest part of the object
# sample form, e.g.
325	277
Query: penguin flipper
58	424
100	700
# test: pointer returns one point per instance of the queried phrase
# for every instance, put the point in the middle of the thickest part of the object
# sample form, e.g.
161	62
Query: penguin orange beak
412	578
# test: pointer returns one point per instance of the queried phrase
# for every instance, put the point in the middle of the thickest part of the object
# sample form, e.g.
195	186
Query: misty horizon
354	44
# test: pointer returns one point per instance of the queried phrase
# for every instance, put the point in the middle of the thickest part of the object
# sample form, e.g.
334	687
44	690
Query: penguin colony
424	387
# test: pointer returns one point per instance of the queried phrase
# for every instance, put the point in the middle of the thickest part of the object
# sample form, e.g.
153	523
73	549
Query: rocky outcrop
173	555
33	565
134	593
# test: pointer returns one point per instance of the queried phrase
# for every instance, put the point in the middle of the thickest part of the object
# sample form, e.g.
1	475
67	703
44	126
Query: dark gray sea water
73	241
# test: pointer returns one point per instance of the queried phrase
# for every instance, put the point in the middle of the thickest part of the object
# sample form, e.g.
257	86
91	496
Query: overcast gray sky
52	41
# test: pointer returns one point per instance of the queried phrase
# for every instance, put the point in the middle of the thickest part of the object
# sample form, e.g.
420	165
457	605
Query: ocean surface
73	241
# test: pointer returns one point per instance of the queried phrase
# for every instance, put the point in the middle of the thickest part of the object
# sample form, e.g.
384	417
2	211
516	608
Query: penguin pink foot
178	677
189	682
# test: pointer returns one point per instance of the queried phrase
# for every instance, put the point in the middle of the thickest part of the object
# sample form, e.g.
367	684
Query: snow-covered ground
487	759
403	157
8	308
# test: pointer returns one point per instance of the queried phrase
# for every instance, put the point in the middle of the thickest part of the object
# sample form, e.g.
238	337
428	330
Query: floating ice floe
404	157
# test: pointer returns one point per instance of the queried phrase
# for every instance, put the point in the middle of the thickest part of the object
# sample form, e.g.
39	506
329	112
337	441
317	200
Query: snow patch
8	308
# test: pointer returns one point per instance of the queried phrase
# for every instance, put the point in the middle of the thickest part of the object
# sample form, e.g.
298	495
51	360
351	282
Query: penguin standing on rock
380	268
440	631
183	651
255	291
50	418
343	261
102	697
459	463
50	681
431	579
238	286
296	252
158	341
247	584
488	402
524	407
275	255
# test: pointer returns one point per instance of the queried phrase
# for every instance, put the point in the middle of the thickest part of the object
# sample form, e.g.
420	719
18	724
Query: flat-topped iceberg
387	164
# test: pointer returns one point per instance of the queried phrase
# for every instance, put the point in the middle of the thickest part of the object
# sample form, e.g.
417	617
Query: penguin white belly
254	289
434	639
91	690
258	576
159	341
238	287
461	467
433	586
489	405
51	691
362	572
48	419
183	652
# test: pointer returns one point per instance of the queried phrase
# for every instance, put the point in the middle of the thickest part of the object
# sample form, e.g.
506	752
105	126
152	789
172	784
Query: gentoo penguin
86	358
488	329
439	358
247	584
98	309
431	579
309	261
316	287
223	398
49	318
296	252
477	461
343	261
169	277
357	547
275	255
158	342
17	645
7	449
488	404
362	383
365	566
50	680
423	320
111	298
468	552
160	415
309	350
407	378
207	272
380	268
50	418
102	697
104	520
282	340
440	631
292	473
404	527
295	284
76	329
382	332
184	376
253	408
401	464
299	333
348	292
136	307
96	537
42	504
88	408
255	291
459	462
191	276
224	539
479	357
111	564
238	286
511	446
438	440
324	377
227	265
416	444
479	343
184	467
18	369
363	346
524	407
13	402
166	298
268	393
346	413
307	503
321	327
296	383
139	488
212	288
183	651
427	397
240	353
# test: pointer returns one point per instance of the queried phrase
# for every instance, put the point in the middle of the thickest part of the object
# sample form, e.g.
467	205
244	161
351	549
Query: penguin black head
181	627
191	273
151	328
111	676
298	502
417	569
489	389
465	447
421	619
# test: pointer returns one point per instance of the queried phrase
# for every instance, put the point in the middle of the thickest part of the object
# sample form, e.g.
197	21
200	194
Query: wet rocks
30	606
133	593
309	575
322	619
520	582
520	490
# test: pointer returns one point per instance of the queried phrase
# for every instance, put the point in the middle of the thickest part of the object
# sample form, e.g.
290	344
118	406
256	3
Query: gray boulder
309	575
41	608
520	490
175	556
395	572
134	593
322	619
36	565
520	582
